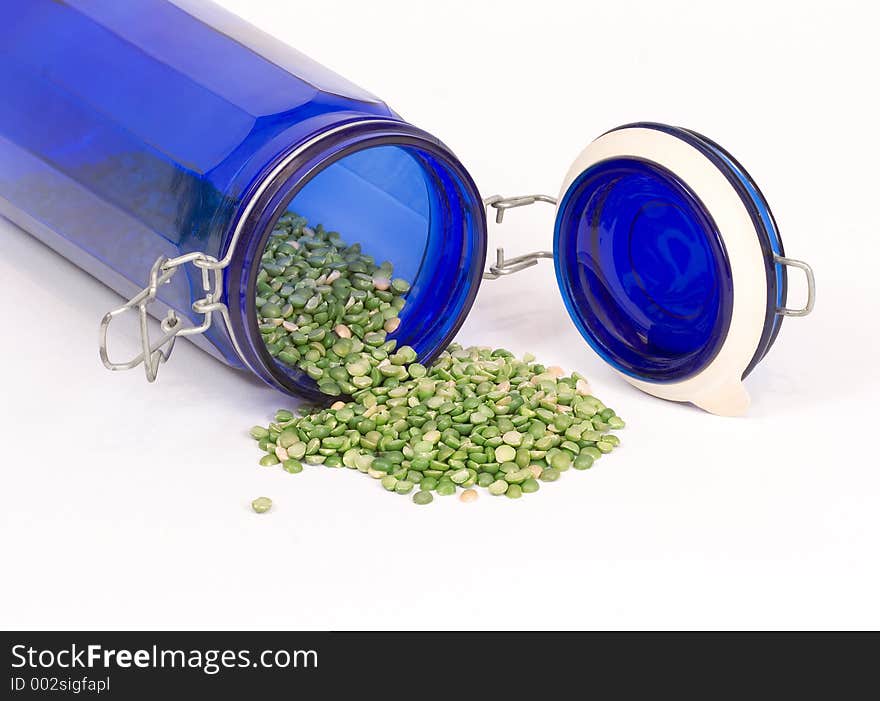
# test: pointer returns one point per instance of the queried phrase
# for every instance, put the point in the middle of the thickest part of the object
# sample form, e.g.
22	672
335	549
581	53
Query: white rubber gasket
718	388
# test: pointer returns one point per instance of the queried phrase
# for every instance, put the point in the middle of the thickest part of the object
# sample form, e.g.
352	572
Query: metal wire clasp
155	352
503	265
811	286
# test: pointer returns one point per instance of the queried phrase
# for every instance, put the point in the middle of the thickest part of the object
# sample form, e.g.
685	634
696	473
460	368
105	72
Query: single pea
407	354
358	368
259	433
381	464
269	460
561	461
292	466
604	446
400	285
513	438
459	476
445	488
616	422
468	495
270	311
545	442
431	436
420	464
288	437
349	458
403	486
514	491
428	483
484	479
343	346
498	487
551	474
583	462
518	476
562	422
529	486
505	453
333	442
570	446
261	504
423	497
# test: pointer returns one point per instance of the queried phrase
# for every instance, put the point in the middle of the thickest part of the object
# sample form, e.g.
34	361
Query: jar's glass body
138	130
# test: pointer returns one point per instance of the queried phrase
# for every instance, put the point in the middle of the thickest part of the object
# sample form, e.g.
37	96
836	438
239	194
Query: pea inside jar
327	307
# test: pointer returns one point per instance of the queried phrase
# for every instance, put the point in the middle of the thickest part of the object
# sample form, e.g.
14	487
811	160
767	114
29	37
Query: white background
125	505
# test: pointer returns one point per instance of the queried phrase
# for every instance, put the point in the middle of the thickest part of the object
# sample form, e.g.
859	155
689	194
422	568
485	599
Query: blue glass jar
148	130
161	140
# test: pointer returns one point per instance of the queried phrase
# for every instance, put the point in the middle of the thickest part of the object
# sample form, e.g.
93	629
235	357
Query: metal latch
155	352
811	286
504	265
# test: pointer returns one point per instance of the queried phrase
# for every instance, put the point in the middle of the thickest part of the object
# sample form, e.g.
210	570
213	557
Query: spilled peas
477	417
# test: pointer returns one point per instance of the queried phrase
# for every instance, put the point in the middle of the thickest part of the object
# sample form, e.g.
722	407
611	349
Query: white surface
718	387
125	505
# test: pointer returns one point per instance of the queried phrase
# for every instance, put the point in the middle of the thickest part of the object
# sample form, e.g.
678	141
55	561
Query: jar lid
671	265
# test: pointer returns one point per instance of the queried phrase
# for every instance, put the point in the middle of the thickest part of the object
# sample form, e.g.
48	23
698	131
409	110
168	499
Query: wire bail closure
504	265
155	352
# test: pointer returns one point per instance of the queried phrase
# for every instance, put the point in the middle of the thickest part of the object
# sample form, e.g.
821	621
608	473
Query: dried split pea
468	495
423	497
261	504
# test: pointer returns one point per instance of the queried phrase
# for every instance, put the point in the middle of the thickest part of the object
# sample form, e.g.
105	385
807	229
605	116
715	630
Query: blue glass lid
667	256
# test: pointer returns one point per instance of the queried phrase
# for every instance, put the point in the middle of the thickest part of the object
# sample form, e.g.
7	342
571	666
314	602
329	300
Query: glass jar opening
383	244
